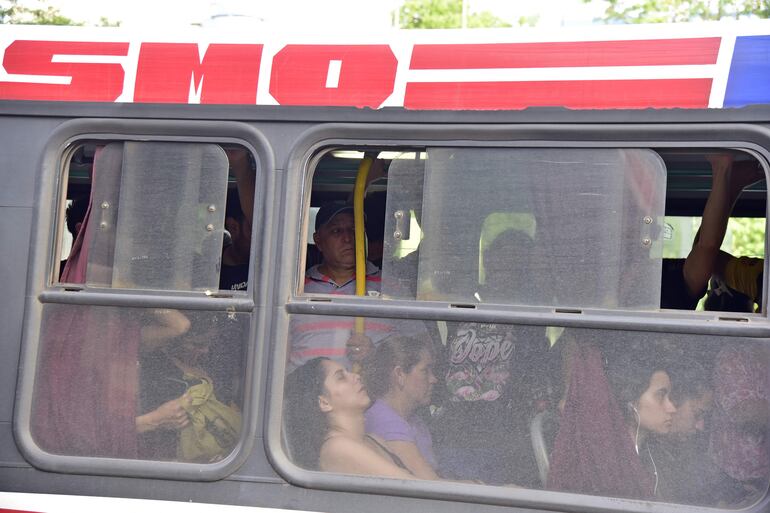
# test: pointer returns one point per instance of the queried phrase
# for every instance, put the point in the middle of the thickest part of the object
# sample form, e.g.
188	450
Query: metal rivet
397	235
209	227
398	214
212	208
647	220
105	205
646	242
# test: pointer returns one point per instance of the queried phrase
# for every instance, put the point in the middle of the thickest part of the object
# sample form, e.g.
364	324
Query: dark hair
75	213
629	373
689	380
304	422
394	351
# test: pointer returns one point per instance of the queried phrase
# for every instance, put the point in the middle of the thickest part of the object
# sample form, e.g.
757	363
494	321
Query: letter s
96	82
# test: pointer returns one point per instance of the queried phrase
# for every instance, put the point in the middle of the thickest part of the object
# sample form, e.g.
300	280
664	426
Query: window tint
159	215
146	383
638	415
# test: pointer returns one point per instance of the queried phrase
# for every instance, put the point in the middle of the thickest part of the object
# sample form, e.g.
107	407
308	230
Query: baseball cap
328	210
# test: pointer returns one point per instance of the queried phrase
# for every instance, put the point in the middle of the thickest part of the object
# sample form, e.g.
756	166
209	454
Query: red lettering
366	75
98	82
228	73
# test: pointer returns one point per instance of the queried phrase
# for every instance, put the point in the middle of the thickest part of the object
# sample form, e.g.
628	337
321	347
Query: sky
304	15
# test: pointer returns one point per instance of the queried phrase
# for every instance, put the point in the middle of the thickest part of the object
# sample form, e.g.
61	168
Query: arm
348	456
412	458
169	415
701	261
728	180
168	324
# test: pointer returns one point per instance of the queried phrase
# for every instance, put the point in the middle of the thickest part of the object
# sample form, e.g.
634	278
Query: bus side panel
22	145
15	226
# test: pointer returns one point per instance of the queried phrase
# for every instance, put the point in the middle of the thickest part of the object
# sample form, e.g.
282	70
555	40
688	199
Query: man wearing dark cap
335	239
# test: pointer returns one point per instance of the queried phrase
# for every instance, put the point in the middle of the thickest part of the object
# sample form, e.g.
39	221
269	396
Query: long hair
629	374
394	351
305	425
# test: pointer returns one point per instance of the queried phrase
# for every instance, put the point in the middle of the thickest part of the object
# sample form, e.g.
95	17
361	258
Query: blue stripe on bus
749	79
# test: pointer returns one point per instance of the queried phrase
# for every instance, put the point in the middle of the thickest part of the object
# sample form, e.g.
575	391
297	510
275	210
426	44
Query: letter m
227	73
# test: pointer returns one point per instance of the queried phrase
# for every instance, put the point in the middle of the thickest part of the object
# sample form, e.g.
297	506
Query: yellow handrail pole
358	217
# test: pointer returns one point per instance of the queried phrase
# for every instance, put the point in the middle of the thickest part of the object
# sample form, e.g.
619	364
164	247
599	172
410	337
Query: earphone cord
638	425
654	471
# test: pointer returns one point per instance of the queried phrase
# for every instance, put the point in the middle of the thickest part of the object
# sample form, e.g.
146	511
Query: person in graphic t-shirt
494	378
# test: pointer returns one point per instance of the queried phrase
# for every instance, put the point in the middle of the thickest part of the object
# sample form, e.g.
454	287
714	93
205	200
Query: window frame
43	289
303	159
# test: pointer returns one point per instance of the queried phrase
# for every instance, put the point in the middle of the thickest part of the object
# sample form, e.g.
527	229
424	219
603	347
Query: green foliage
430	14
748	236
104	21
666	11
14	13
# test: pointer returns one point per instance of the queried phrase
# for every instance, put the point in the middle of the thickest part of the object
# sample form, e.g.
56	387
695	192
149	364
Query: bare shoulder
341	448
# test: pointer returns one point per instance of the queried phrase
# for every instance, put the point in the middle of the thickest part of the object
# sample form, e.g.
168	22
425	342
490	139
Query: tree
12	12
666	11
429	14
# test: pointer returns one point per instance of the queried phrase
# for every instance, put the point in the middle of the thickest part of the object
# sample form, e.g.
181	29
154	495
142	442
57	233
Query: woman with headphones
616	399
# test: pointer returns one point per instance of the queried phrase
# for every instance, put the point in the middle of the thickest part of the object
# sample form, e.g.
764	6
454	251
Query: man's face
336	242
690	416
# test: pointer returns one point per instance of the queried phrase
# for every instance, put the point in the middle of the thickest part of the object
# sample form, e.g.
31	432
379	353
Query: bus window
134	381
456	202
161	216
642	415
147	383
617	413
574	228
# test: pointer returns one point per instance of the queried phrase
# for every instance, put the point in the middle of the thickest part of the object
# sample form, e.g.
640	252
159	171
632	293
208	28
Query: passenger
75	214
739	436
234	273
601	447
324	420
399	374
684	281
686	473
336	337
496	374
185	420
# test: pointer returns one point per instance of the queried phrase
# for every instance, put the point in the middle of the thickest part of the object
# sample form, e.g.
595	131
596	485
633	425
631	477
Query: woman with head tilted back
399	374
601	447
325	407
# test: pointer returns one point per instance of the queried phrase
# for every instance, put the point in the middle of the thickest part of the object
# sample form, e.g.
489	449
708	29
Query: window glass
157	212
653	416
159	215
145	383
555	227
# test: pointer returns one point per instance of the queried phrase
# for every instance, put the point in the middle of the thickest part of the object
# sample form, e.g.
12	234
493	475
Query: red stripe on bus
651	52
577	94
3	510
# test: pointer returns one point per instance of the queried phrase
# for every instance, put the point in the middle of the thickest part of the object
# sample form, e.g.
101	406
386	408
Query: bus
433	270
